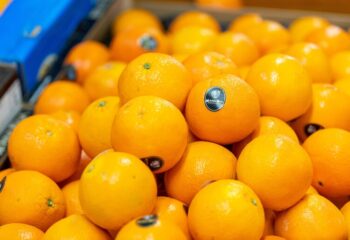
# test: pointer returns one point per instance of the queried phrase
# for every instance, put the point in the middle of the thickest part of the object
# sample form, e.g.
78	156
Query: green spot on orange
253	201
50	203
102	103
147	66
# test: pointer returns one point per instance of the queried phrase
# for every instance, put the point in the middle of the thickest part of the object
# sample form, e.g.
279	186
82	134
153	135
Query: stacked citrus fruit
193	133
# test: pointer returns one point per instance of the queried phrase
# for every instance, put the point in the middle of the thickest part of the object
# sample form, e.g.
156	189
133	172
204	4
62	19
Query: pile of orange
189	134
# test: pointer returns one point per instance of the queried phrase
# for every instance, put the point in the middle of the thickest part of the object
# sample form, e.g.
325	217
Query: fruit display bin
166	11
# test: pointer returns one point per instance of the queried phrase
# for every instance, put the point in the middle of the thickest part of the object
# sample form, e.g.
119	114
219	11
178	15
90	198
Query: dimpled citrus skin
116	182
265	165
329	151
282	84
32	198
75	227
45	144
314	218
226	209
158	229
155	74
237	117
151	128
202	163
20	231
330	109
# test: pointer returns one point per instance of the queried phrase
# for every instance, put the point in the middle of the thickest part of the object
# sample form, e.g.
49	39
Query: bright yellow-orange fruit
282	84
131	43
62	95
224	4
267	125
223	109
332	39
245	21
85	57
194	18
192	39
268	35
172	210
330	108
346	212
72	118
265	164
202	163
238	47
32	198
96	124
314	218
303	26
20	231
135	18
152	129
45	144
313	59
115	188
343	84
151	227
71	197
340	63
217	210
155	74
75	227
103	81
205	65
329	152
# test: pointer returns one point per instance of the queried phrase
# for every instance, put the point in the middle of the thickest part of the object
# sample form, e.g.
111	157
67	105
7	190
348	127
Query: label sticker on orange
3	5
214	99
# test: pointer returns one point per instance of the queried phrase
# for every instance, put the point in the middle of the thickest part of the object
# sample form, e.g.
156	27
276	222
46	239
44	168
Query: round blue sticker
215	99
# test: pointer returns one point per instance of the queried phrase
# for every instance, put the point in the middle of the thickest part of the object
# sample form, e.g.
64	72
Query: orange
313	59
85	57
332	39
329	152
155	74
32	198
96	123
71	197
6	172
172	210
75	227
282	84
194	18
270	217
267	125
130	43
340	63
20	231
205	65
330	108
202	163
311	190
217	210
314	218
62	95
301	27
245	21
273	237
135	18
150	227
265	165
223	109
103	81
84	161
346	212
220	3
72	118
152	129
192	39
343	84
44	144
115	188
238	47
268	35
